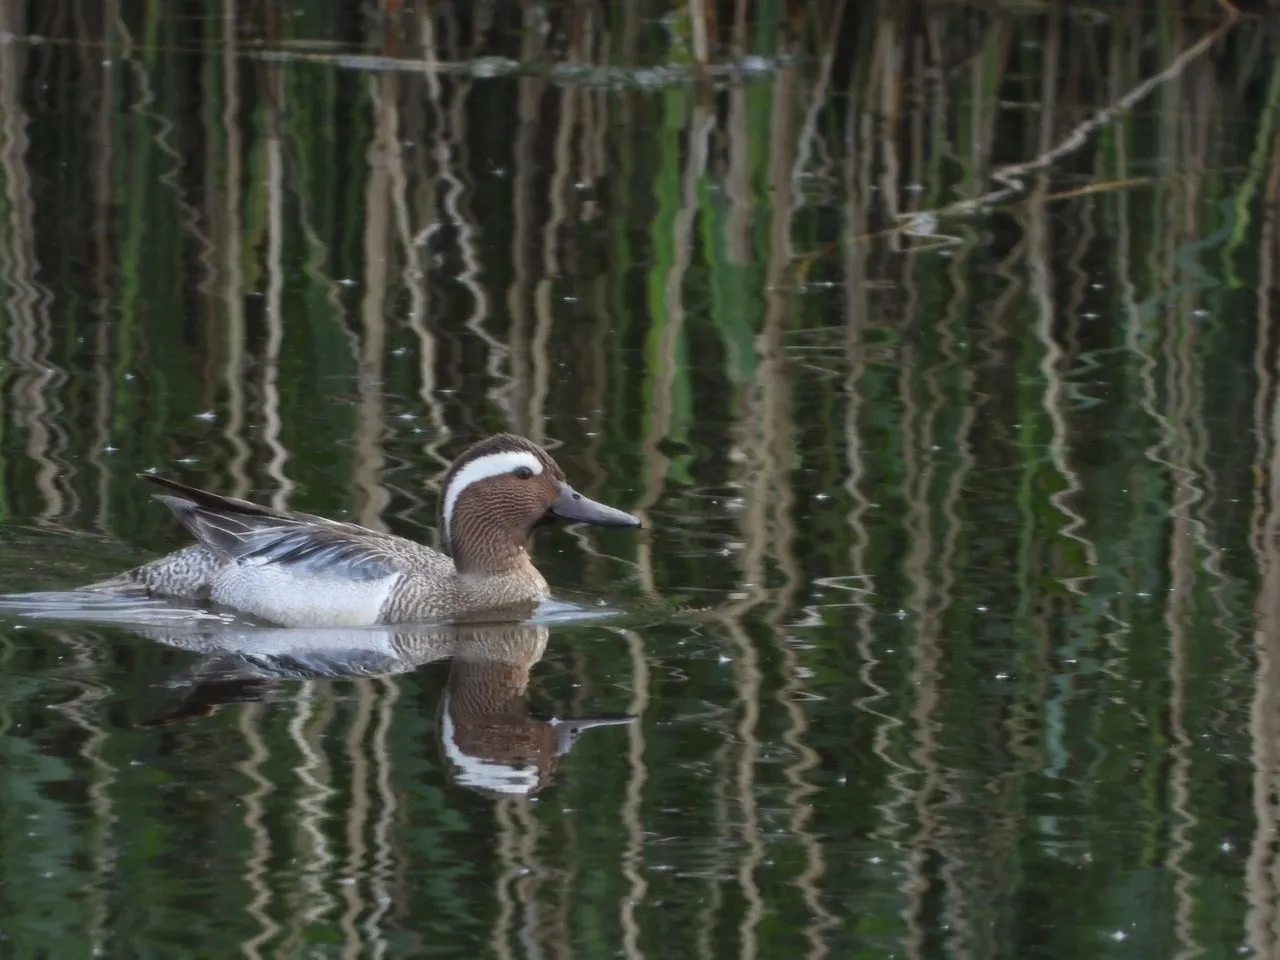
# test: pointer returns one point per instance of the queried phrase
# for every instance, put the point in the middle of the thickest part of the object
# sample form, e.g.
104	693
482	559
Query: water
946	392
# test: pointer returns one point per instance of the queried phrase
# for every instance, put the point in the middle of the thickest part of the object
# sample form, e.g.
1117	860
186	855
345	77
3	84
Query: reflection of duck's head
488	736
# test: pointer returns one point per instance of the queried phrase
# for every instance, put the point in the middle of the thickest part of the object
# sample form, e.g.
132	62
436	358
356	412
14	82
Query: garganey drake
295	569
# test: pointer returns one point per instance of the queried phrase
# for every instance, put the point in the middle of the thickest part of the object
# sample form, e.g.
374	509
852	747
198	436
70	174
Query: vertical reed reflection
416	224
529	100
531	878
533	410
356	818
789	161
85	711
271	424
257	864
508	872
371	427
382	870
448	143
664	336
231	236
313	708
34	390
1263	865
1184	401
632	806
100	117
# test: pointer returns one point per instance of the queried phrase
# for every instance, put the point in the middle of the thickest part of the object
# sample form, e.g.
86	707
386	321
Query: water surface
946	389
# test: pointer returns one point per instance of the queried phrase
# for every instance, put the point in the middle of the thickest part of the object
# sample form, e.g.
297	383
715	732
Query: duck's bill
573	507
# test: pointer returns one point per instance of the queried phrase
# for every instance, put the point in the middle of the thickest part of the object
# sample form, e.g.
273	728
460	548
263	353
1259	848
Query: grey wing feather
321	548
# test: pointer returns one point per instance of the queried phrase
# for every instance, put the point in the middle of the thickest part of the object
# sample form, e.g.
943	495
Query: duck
299	570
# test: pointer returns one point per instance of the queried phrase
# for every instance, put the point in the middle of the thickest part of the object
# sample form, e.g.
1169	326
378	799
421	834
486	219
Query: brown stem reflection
1263	865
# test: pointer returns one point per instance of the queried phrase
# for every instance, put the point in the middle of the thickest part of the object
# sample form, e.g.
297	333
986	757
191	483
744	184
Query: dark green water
952	632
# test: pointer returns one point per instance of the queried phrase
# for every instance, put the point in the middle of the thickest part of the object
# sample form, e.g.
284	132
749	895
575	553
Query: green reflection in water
950	632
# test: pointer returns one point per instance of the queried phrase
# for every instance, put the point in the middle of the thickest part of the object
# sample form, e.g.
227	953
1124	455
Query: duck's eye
522	473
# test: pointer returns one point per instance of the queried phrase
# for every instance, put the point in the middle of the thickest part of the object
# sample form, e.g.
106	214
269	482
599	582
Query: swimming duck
295	569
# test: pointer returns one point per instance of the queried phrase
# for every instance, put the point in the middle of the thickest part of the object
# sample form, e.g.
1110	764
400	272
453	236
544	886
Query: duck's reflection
487	734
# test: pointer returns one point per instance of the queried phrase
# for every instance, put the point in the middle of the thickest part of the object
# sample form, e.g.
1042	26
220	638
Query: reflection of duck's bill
567	729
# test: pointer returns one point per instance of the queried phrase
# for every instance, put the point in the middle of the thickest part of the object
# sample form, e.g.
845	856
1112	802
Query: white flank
483	468
293	599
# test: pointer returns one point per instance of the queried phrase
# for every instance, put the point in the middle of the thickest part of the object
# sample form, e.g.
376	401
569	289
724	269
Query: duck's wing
248	533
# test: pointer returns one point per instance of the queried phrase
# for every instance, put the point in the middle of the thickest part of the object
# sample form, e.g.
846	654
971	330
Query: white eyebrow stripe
483	468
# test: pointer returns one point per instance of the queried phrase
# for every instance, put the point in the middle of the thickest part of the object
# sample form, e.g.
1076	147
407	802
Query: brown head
501	490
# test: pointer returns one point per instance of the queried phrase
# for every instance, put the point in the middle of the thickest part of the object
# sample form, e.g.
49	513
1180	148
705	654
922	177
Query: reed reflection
929	515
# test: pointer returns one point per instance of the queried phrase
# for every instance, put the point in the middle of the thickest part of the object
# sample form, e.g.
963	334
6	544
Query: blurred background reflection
934	341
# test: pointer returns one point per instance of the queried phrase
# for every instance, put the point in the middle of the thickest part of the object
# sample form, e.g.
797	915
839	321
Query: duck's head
502	489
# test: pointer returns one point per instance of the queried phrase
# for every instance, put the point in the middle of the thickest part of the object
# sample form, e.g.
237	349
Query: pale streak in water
29	328
1263	865
232	257
415	246
633	805
370	416
857	176
313	708
357	816
383	892
271	424
448	136
257	869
